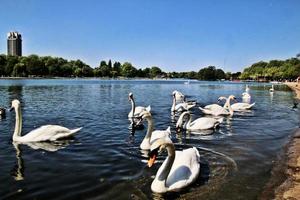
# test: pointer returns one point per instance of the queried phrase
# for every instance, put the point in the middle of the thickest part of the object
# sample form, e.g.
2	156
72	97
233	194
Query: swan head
221	98
232	97
157	146
180	121
15	104
130	96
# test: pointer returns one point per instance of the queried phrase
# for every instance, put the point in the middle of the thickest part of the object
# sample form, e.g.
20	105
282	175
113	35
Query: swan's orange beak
151	160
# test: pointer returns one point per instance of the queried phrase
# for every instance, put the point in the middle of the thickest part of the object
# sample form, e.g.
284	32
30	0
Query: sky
174	35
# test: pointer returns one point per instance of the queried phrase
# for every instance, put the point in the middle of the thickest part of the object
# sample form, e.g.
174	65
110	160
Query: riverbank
290	171
295	87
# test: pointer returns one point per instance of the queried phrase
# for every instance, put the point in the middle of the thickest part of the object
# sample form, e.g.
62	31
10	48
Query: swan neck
188	125
169	162
132	107
228	106
174	104
150	128
18	124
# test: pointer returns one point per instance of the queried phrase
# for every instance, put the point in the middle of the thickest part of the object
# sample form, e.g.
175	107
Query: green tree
155	71
127	70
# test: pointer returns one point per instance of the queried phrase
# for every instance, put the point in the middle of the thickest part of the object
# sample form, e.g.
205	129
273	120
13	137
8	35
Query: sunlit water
103	160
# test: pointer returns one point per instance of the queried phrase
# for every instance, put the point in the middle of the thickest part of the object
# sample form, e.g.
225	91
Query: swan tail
73	131
201	108
148	108
197	153
169	130
252	105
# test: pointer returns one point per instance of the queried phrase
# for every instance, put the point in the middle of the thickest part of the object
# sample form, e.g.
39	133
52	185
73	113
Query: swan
202	123
247	89
179	170
226	110
152	135
216	106
43	133
240	106
246	96
179	96
272	89
135	111
181	106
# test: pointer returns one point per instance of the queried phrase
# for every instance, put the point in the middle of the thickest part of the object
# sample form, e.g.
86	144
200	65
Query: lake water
103	160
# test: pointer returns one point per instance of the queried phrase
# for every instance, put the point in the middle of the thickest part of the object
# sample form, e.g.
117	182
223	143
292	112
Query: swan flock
180	168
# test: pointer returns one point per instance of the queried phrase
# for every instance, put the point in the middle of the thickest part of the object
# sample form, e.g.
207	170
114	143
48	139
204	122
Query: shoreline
285	175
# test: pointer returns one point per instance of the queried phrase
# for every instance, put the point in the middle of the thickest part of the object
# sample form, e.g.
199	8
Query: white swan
181	106
240	106
215	106
202	123
246	96
152	135
136	111
272	89
179	170
247	89
43	133
179	96
226	110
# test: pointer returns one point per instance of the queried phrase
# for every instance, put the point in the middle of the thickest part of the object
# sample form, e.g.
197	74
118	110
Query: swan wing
213	106
203	123
48	133
159	134
241	106
185	169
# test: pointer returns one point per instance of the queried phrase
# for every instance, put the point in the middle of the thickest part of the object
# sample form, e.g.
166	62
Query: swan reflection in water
18	171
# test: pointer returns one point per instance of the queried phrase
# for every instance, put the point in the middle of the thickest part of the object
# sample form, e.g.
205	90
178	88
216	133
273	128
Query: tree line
279	70
47	66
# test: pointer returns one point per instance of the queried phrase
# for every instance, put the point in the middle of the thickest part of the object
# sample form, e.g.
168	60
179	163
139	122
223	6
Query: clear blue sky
172	34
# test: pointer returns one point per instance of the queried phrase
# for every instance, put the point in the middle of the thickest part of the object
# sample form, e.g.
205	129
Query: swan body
202	123
179	96
246	96
152	135
225	110
136	110
181	106
179	170
242	106
43	133
215	106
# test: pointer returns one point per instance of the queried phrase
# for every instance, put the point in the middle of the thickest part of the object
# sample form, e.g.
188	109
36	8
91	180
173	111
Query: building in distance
14	44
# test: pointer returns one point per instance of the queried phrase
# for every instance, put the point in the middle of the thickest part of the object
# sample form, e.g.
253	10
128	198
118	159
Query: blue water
103	160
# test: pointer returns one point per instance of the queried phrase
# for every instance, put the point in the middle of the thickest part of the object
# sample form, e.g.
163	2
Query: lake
103	161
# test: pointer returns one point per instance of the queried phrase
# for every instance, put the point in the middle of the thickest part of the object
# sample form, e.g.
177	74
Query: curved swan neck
174	104
18	124
188	124
169	162
132	106
150	128
228	106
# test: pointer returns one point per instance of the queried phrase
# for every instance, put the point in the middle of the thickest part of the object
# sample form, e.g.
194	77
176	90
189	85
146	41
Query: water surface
104	161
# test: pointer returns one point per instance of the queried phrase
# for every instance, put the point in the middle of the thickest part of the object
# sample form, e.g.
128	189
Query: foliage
273	70
33	65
